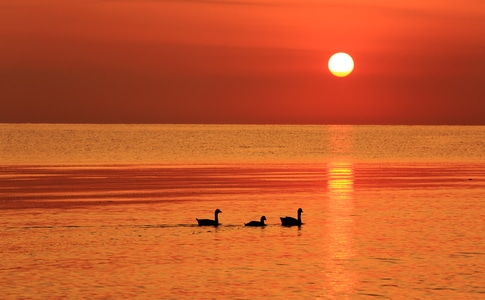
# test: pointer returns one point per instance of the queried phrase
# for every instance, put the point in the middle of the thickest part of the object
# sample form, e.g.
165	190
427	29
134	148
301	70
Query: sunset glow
248	61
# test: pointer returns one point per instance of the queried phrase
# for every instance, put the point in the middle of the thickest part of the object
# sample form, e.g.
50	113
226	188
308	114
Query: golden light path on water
339	245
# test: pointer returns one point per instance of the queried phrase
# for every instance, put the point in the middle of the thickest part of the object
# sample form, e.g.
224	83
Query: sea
109	211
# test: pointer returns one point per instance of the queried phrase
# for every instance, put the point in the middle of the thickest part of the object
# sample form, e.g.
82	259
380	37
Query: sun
341	64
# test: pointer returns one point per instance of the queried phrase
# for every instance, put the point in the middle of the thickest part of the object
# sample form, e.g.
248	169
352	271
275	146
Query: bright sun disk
341	64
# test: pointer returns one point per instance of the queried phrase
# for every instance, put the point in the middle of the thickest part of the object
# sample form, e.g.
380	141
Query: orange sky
242	61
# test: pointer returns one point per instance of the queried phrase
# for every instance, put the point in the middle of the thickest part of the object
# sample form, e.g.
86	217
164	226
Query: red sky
242	61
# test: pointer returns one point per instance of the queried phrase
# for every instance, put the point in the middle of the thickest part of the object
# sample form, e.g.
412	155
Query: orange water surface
389	224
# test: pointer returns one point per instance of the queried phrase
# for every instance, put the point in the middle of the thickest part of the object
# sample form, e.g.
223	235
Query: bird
257	223
290	221
209	222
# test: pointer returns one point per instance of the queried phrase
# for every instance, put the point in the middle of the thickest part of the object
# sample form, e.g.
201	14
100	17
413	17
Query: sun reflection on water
340	180
340	280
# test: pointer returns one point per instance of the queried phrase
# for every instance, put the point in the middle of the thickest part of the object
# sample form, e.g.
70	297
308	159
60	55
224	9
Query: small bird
209	222
257	223
290	221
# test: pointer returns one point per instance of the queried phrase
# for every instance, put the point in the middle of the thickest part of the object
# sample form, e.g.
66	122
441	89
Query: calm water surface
108	211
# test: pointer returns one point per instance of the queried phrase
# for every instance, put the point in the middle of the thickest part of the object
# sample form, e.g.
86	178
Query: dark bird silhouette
257	223
290	221
209	222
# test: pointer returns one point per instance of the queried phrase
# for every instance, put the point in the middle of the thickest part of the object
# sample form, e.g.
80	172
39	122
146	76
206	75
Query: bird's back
289	221
206	222
255	223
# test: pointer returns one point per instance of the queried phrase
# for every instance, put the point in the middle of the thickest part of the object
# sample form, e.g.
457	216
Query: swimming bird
209	222
290	221
257	223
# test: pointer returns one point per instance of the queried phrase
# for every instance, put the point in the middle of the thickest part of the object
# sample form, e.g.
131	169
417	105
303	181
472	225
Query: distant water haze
199	144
